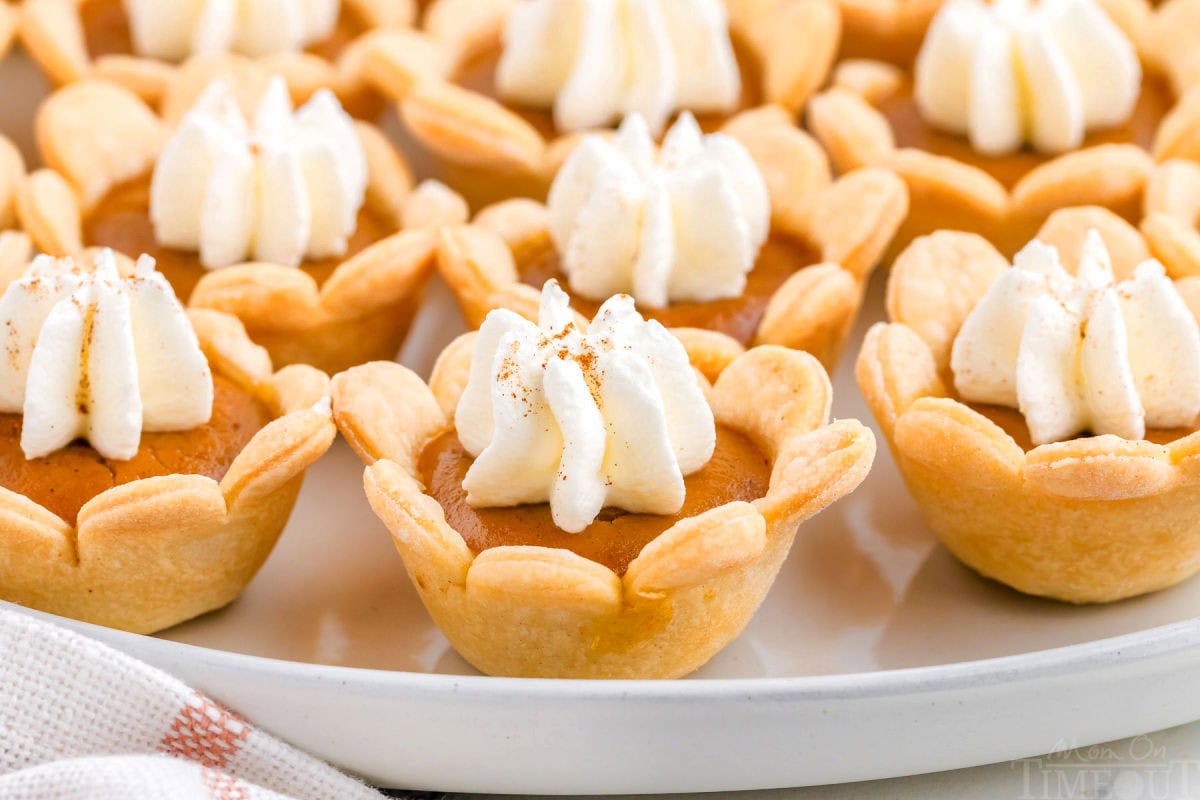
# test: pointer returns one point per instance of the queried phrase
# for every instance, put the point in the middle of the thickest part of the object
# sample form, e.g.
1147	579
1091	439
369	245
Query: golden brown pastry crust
1092	519
149	554
489	153
52	31
850	221
950	193
362	312
533	611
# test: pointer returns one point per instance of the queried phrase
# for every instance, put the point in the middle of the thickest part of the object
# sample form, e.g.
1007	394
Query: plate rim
1156	642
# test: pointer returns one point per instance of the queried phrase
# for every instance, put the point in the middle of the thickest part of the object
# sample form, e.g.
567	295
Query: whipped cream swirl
89	353
1011	70
596	61
286	189
680	224
583	419
175	29
1082	353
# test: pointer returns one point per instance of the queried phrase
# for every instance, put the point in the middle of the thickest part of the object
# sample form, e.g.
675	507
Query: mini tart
1092	519
886	30
76	39
548	612
461	134
805	291
100	143
149	553
868	117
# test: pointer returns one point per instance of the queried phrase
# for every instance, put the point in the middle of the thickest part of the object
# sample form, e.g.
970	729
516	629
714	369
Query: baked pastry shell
846	122
53	34
488	152
536	611
1087	520
94	135
850	222
155	552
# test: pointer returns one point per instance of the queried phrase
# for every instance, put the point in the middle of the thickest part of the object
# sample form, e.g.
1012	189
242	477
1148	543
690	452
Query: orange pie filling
65	480
737	471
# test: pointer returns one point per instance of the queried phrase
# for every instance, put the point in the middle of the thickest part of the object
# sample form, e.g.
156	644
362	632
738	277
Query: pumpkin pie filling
106	30
911	130
121	220
737	317
737	471
65	480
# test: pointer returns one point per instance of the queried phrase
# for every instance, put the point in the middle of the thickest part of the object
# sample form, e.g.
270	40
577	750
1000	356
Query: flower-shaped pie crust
848	222
96	136
1091	519
146	555
489	152
537	611
54	33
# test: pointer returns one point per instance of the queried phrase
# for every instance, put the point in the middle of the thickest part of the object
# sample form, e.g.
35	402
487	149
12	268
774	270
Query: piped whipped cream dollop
611	415
172	30
596	61
287	187
89	353
1082	352
1010	71
683	223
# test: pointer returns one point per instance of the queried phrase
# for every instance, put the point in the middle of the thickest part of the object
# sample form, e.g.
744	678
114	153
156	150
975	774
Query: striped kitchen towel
80	720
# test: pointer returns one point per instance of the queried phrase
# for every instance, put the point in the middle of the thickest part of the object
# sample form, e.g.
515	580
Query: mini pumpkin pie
140	43
149	459
1012	110
493	93
741	232
573	500
289	222
1044	415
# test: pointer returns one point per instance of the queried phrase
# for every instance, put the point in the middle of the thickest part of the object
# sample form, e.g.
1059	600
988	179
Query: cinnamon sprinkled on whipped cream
610	414
90	353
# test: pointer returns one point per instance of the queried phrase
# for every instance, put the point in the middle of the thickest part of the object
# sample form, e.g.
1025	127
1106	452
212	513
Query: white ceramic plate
875	655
